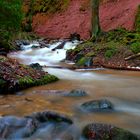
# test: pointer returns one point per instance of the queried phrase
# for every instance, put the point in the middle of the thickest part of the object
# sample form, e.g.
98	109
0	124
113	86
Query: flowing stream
122	88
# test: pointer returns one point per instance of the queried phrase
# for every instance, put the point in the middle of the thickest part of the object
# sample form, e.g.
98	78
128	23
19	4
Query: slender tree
95	25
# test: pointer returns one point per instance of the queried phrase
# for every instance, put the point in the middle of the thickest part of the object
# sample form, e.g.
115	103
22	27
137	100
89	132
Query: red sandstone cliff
113	14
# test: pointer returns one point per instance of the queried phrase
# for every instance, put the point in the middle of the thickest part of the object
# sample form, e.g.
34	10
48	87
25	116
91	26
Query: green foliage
111	49
2	83
135	47
10	15
110	53
10	21
137	21
120	35
91	54
49	6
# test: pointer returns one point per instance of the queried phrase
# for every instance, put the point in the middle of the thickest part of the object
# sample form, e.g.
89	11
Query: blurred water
122	88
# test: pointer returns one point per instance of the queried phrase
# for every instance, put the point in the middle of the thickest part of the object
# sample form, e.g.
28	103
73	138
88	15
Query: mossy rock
28	81
97	131
46	79
85	61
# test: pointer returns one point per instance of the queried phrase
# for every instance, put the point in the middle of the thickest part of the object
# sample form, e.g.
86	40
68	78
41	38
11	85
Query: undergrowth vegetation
10	22
49	6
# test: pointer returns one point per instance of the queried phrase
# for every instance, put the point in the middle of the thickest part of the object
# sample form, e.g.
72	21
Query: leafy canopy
10	17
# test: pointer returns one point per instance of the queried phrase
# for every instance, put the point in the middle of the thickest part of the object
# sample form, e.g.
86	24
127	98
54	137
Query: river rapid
122	88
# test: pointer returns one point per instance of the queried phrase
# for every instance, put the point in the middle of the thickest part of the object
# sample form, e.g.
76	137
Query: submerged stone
97	105
77	93
97	131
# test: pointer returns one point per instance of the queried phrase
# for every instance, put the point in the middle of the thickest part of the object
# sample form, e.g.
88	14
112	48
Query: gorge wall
76	18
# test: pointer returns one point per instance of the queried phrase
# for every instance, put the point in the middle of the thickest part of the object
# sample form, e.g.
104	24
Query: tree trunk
95	25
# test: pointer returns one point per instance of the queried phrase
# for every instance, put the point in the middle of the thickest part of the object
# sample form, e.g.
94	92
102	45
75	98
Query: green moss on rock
28	81
46	79
25	82
85	61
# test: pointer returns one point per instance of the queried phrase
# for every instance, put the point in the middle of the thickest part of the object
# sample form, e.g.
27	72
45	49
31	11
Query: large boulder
97	131
49	116
12	127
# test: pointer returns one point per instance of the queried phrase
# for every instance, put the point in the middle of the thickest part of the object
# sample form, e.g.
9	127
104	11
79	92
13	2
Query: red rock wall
113	14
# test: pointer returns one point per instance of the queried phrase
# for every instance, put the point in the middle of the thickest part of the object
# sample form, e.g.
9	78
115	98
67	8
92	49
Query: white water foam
44	56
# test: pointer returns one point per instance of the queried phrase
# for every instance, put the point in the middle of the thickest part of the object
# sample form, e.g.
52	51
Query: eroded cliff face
76	18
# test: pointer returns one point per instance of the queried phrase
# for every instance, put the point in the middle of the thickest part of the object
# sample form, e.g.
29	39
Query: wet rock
75	36
43	44
76	93
97	105
56	131
22	42
13	127
50	116
97	131
60	46
36	66
3	53
85	62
